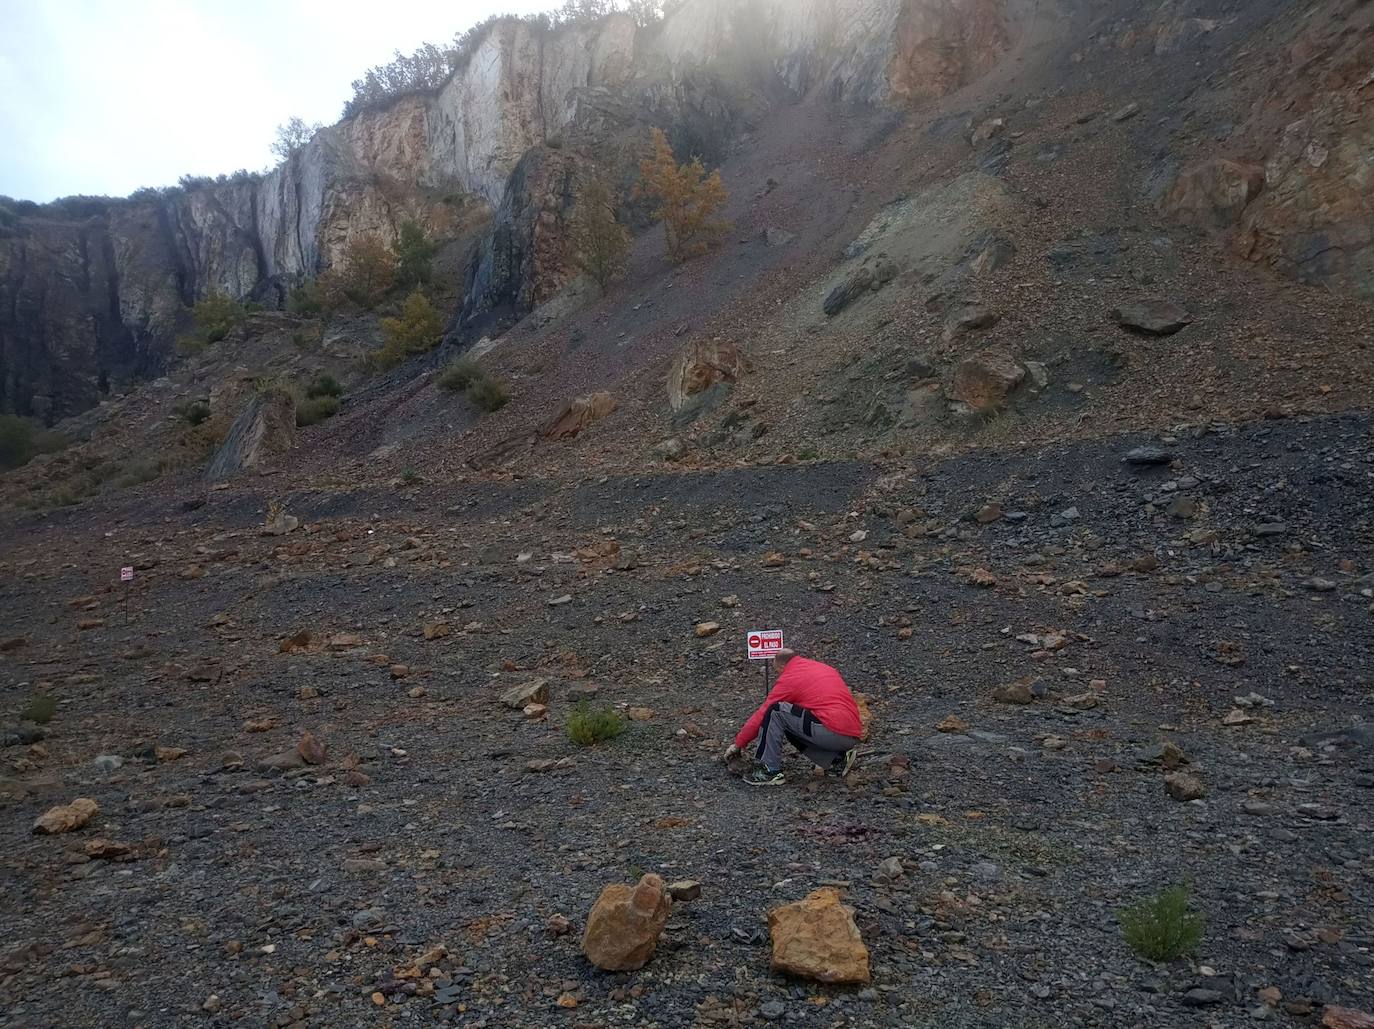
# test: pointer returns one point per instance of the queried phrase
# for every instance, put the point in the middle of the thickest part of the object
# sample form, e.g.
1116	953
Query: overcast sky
105	96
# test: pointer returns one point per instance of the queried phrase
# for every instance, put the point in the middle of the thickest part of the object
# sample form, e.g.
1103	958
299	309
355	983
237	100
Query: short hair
784	656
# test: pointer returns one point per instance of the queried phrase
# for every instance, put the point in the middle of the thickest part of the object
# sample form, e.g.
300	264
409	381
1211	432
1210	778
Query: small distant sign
126	574
764	644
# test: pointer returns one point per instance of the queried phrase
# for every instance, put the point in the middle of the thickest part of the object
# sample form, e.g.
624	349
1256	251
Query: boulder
968	318
989	129
1213	194
1184	787
1151	317
312	749
816	938
1336	1017
859	282
279	523
264	430
577	414
536	691
700	365
66	817
1013	693
625	923
985	381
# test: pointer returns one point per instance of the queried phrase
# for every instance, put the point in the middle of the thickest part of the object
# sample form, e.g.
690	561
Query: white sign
126	574
764	644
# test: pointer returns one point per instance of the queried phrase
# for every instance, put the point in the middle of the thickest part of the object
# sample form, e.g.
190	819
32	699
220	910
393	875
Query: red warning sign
764	643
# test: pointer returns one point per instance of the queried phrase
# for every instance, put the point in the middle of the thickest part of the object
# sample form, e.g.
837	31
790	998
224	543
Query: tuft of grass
140	472
40	709
589	725
808	454
461	373
488	395
313	410
193	412
324	386
1160	927
411	477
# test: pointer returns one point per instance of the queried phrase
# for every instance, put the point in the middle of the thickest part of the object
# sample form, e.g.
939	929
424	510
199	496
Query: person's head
781	658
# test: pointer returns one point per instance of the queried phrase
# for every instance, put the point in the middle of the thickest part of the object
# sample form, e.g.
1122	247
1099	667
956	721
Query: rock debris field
291	792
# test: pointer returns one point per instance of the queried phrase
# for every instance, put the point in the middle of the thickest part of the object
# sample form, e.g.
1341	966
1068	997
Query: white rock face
518	90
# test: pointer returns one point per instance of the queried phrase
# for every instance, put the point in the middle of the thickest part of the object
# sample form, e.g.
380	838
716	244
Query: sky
106	96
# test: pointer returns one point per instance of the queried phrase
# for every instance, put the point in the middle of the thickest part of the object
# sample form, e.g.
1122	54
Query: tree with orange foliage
688	200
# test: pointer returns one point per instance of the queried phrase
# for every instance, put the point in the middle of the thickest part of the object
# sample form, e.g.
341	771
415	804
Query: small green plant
488	395
1160	927
308	300
140	472
461	373
40	709
411	477
215	316
193	412
313	410
324	386
588	725
808	454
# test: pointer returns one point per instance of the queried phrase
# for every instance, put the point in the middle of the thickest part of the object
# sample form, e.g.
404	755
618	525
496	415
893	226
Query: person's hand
731	752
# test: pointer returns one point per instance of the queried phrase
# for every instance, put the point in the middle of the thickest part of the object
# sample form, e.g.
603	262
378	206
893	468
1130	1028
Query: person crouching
811	708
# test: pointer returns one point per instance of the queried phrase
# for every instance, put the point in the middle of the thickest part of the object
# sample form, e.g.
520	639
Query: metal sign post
126	578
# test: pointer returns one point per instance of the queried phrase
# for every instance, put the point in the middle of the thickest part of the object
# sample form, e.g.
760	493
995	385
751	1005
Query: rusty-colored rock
625	923
702	364
312	749
1335	1017
66	817
985	381
816	938
577	414
1213	194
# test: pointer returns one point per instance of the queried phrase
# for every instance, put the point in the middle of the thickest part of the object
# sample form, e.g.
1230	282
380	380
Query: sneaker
763	777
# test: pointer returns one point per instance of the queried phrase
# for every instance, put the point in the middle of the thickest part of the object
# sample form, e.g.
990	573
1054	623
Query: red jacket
816	687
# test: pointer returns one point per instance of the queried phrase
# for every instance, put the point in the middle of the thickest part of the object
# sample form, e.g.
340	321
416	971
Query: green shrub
488	394
22	439
324	386
588	725
215	316
16	440
461	373
308	300
313	410
40	709
411	477
193	412
140	472
1160	927
417	330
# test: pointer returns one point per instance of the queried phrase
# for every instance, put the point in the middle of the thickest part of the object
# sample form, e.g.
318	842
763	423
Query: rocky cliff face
96	296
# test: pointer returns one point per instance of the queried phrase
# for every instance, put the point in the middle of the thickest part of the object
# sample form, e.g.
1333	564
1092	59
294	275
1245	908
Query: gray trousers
804	731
